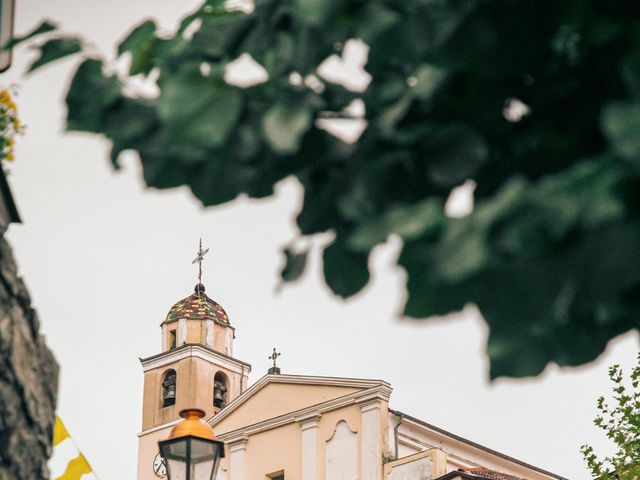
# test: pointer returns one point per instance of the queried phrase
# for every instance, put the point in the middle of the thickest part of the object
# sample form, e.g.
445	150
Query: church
294	427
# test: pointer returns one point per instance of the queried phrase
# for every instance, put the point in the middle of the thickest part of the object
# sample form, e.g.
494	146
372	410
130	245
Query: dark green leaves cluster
537	102
621	423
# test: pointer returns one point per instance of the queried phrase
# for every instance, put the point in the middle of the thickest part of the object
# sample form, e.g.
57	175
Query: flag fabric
76	468
59	432
67	456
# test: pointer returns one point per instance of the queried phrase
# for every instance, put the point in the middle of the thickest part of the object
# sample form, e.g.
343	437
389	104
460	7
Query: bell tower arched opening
169	379
220	389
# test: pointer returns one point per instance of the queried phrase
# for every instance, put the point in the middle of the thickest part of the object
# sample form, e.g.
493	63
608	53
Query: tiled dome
197	306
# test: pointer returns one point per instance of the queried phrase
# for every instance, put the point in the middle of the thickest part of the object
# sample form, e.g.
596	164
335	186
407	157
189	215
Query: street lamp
192	452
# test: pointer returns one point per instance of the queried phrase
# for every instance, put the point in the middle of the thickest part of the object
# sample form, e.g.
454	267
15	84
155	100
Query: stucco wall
278	399
194	388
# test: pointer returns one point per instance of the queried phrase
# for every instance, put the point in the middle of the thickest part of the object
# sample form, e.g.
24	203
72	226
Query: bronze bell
171	392
218	394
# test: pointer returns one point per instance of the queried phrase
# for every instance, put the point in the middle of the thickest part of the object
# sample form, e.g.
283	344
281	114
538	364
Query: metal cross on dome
200	258
274	356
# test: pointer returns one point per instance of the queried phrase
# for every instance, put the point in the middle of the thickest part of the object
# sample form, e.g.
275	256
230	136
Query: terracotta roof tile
490	474
197	306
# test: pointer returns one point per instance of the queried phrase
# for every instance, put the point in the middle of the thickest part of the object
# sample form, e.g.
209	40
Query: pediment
277	395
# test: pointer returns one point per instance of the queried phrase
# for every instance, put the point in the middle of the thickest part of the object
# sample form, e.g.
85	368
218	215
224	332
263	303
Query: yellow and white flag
67	461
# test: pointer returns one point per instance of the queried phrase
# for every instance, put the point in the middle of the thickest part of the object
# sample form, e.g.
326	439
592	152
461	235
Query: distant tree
622	425
536	101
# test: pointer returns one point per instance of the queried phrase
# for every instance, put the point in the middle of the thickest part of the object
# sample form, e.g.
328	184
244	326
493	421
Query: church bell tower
195	369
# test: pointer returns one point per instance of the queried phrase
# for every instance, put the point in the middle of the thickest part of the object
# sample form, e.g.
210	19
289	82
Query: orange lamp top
192	425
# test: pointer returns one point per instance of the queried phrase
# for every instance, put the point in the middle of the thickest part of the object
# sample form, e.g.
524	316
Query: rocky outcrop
28	380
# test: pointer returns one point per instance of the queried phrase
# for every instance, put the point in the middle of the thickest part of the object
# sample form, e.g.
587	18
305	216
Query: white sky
106	258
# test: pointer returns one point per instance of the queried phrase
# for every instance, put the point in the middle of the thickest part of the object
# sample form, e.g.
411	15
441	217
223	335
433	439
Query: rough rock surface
28	380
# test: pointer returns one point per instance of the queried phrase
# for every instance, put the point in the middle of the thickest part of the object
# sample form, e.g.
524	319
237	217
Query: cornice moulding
311	411
197	351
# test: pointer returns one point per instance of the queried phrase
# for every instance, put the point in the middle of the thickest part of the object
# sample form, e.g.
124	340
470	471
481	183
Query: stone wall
28	380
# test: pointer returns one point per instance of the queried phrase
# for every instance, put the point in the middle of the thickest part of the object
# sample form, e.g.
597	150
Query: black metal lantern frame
192	458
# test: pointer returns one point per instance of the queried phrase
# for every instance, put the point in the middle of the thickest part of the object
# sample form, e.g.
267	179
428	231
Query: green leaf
140	43
279	56
55	49
294	266
455	153
44	27
198	109
621	124
427	80
346	272
410	222
393	115
550	252
90	95
314	12
129	125
376	20
283	126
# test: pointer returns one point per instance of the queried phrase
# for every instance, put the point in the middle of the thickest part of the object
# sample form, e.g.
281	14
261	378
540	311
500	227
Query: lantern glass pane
175	449
205	455
176	469
191	458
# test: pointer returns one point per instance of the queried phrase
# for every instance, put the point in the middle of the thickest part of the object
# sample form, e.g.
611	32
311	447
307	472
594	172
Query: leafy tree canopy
536	101
621	423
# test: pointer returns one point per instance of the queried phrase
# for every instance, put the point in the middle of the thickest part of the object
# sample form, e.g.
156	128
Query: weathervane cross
200	258
274	356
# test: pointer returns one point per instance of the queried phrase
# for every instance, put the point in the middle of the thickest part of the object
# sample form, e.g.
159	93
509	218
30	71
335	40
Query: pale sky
105	258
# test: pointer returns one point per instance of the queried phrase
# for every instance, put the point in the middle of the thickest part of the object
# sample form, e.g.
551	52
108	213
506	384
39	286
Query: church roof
197	306
485	473
478	474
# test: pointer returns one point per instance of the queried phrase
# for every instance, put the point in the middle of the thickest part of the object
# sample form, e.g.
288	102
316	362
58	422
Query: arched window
169	388
220	388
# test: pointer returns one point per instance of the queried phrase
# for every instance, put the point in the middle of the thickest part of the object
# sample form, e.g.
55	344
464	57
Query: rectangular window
172	339
276	475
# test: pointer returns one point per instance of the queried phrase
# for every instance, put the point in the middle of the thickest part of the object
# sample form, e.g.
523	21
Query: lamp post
192	451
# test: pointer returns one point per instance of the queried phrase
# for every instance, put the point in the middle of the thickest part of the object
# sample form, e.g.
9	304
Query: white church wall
341	454
309	438
420	469
372	436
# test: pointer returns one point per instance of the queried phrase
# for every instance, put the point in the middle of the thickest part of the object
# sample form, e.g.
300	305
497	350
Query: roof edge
297	379
476	445
191	345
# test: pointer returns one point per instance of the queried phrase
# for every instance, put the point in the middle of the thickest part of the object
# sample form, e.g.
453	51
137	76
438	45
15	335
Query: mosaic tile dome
197	306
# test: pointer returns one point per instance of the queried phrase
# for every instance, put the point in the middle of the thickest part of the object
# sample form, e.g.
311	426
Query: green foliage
55	49
535	101
621	423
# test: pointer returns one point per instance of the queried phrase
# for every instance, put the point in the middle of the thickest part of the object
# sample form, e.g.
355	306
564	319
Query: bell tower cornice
197	350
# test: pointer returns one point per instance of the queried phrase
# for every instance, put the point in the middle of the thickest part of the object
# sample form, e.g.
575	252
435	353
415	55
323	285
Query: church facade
294	427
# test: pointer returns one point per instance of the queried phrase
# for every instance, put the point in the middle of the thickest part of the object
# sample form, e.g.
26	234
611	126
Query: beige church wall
195	331
204	374
152	412
421	466
222	338
277	399
212	334
194	388
333	436
268	452
147	451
